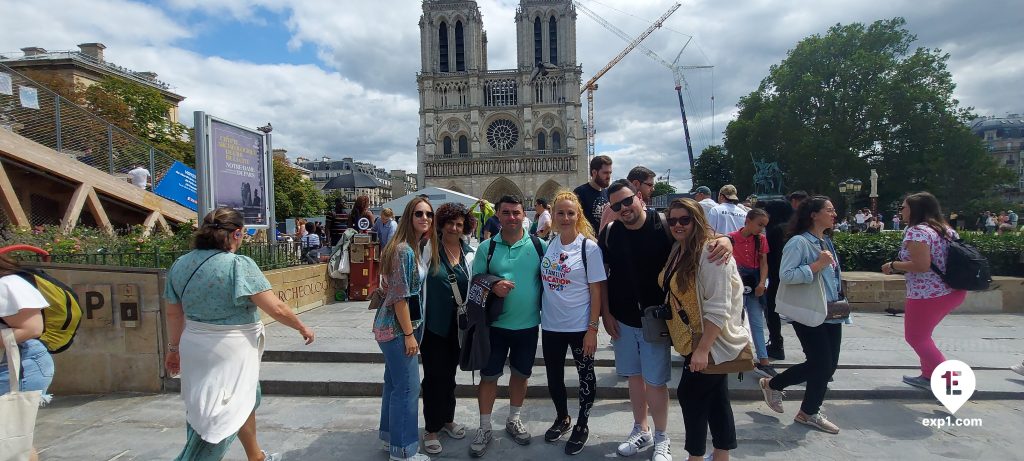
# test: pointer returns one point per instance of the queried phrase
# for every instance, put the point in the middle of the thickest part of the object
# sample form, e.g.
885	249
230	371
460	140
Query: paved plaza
331	410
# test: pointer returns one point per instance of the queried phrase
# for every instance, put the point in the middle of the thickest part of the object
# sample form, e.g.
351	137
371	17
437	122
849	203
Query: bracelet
407	335
172	348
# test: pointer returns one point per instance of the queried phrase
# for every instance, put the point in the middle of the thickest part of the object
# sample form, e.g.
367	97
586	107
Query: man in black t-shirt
593	195
636	247
491	227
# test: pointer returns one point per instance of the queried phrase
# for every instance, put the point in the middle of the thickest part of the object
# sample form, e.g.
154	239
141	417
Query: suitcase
363	277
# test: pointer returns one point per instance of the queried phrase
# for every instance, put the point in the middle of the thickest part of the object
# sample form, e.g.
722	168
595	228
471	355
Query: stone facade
486	132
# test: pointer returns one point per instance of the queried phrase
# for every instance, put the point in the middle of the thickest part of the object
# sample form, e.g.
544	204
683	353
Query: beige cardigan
720	294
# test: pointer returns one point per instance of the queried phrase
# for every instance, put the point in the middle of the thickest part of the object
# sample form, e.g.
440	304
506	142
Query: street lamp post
850	188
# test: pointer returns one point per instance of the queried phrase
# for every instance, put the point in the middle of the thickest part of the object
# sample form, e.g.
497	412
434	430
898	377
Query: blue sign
179	185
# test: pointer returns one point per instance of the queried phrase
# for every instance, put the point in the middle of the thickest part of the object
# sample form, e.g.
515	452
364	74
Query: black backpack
966	267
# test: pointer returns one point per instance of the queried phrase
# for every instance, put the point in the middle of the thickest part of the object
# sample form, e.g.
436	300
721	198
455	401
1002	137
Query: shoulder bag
19	408
803	303
839	309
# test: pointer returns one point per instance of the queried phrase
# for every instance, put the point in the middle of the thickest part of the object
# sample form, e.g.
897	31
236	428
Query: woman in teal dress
216	338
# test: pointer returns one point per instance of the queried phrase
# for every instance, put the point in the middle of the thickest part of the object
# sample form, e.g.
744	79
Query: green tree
855	99
295	196
714	168
662	188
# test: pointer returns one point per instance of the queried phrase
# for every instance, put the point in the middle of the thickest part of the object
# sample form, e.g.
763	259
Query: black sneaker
579	437
775	351
766	371
558	429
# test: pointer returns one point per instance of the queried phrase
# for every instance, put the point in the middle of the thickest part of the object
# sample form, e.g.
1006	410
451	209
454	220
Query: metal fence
59	124
267	256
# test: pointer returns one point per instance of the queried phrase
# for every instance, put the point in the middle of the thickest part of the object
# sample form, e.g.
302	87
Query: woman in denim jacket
397	327
802	263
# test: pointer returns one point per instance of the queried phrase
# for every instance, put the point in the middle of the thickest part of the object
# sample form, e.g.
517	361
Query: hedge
867	252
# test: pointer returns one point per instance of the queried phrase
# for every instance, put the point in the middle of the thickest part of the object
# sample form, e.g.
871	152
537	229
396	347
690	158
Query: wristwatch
593	325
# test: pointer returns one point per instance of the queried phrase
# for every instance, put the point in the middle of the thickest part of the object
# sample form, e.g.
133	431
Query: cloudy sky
337	78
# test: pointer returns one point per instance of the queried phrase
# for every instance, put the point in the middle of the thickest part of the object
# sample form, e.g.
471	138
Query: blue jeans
399	406
37	369
755	315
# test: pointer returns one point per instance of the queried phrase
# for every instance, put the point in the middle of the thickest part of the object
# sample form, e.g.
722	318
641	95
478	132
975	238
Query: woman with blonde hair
397	327
216	338
572	275
707	300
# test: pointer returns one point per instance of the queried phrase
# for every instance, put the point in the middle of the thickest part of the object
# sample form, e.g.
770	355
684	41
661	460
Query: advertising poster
179	185
239	171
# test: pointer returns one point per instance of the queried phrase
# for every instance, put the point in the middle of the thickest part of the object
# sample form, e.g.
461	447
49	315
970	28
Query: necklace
453	256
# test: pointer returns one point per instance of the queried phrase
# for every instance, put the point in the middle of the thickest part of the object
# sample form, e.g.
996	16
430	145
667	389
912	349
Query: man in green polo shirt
513	336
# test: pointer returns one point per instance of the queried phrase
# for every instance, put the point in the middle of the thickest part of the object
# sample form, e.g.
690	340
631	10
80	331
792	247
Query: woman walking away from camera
396	326
929	298
751	254
808	256
572	275
21	310
711	295
440	350
216	338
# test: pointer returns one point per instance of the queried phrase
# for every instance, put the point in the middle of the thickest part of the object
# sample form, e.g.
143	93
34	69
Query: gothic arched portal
548	190
501	186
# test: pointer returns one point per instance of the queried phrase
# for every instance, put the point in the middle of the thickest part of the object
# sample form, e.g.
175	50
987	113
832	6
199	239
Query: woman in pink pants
929	299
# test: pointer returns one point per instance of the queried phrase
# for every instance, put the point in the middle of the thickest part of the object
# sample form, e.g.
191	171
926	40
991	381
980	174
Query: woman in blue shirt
397	327
808	255
212	294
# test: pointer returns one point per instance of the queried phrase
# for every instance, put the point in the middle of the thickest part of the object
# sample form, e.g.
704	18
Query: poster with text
179	185
238	170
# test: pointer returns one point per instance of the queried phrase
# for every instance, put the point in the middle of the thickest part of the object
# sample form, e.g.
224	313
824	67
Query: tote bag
803	303
18	408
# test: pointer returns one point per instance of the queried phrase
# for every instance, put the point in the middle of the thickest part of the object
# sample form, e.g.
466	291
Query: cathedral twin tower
489	133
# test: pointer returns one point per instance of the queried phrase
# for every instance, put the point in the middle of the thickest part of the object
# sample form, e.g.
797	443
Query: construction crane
591	84
677	70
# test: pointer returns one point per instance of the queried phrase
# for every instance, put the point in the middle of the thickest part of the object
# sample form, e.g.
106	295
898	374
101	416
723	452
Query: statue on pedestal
767	177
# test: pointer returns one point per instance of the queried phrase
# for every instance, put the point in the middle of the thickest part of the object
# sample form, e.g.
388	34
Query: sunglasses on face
628	201
682	221
421	213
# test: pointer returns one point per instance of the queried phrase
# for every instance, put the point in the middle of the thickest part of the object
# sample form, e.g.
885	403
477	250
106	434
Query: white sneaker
416	457
1019	369
662	450
637	441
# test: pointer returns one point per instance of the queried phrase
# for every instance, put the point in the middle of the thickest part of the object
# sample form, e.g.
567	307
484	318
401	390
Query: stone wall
114	353
875	292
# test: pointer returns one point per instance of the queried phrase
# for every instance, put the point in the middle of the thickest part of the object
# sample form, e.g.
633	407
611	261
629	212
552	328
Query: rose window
502	134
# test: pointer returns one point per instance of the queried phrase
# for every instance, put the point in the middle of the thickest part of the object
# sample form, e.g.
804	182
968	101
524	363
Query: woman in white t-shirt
21	307
572	273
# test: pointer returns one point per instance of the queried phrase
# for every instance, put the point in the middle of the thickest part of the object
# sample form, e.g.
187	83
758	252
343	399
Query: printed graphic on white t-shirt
566	296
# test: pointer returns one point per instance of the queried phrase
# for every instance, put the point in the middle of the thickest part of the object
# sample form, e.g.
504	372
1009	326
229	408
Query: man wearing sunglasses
635	248
593	195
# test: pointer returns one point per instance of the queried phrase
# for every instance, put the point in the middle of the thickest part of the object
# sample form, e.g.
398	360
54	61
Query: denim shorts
518	346
37	369
634	356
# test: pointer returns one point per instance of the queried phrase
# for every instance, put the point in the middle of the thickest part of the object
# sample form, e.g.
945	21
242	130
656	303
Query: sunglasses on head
628	201
420	213
682	221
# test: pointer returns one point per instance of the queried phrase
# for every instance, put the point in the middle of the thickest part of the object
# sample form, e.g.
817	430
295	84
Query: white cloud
361	100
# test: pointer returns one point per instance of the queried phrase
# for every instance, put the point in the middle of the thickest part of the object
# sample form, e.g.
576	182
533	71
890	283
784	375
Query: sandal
457	431
432	446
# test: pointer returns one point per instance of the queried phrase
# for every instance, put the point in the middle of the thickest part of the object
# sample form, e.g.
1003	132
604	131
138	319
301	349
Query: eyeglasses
628	201
682	221
900	208
420	213
649	184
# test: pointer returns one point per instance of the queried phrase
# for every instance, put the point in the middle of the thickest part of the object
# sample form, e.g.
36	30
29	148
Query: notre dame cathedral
488	132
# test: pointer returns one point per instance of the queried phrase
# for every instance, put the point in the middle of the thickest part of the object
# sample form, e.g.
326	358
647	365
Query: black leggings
704	399
771	318
821	346
555	343
440	356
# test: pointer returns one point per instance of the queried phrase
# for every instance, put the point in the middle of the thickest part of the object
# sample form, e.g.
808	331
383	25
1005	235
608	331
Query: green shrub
867	252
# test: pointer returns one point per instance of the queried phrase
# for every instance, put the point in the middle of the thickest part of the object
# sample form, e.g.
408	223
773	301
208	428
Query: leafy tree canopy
858	98
662	188
714	168
295	196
